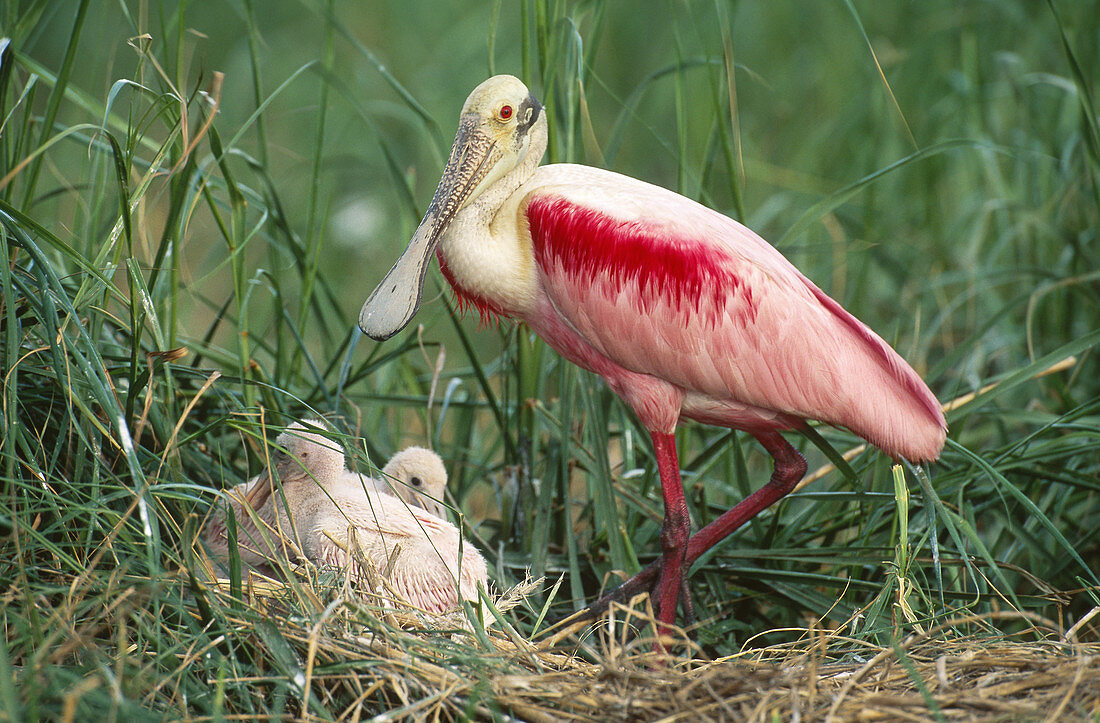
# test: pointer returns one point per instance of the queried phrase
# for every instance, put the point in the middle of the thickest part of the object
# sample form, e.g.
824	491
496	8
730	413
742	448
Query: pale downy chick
257	534
333	519
416	475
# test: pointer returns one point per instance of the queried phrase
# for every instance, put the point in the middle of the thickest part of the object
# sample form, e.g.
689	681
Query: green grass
186	253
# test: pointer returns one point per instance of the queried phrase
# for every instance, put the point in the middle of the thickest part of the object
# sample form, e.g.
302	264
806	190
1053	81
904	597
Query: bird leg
789	468
674	532
688	605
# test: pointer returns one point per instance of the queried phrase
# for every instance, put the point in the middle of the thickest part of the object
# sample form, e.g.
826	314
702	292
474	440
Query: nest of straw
362	658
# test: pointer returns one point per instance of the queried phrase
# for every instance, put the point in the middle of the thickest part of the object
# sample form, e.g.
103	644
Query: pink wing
660	285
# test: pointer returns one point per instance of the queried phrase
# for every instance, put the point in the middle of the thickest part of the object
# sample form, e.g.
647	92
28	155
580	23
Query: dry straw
368	658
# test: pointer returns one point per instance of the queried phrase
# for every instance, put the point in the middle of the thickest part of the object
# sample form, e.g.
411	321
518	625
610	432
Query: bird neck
484	254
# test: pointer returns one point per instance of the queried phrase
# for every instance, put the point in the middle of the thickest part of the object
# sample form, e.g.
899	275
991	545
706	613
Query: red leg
789	468
674	531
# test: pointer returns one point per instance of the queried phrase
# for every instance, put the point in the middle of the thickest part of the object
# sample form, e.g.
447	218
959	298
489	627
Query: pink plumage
642	262
694	299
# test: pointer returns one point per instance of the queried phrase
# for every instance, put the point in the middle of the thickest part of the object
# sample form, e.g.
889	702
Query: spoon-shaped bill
392	305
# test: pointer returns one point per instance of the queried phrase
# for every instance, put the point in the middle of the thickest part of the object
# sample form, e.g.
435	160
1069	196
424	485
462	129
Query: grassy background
196	198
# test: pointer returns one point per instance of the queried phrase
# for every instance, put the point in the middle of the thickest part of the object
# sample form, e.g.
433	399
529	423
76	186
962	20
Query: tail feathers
901	416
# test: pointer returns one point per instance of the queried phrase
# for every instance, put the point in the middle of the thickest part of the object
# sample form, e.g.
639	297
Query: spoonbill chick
415	475
321	511
250	504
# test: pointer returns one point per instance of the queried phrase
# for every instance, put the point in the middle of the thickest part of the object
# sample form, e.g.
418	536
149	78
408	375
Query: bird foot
644	582
667	635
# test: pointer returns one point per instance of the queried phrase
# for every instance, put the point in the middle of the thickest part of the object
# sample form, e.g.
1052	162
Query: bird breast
485	255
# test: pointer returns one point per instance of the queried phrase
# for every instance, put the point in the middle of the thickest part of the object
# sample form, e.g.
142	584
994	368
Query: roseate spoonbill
416	475
333	517
684	312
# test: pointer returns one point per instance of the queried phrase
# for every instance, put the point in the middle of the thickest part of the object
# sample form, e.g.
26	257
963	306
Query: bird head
419	478
500	125
307	456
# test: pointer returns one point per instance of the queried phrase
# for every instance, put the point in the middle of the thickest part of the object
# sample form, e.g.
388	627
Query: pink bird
684	312
336	518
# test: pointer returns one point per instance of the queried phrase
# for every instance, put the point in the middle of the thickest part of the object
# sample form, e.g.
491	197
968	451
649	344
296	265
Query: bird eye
505	112
415	481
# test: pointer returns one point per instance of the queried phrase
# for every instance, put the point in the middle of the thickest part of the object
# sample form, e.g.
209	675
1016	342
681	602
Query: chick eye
415	481
505	112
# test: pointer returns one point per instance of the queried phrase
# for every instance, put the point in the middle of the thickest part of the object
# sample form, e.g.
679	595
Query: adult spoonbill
321	511
683	311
